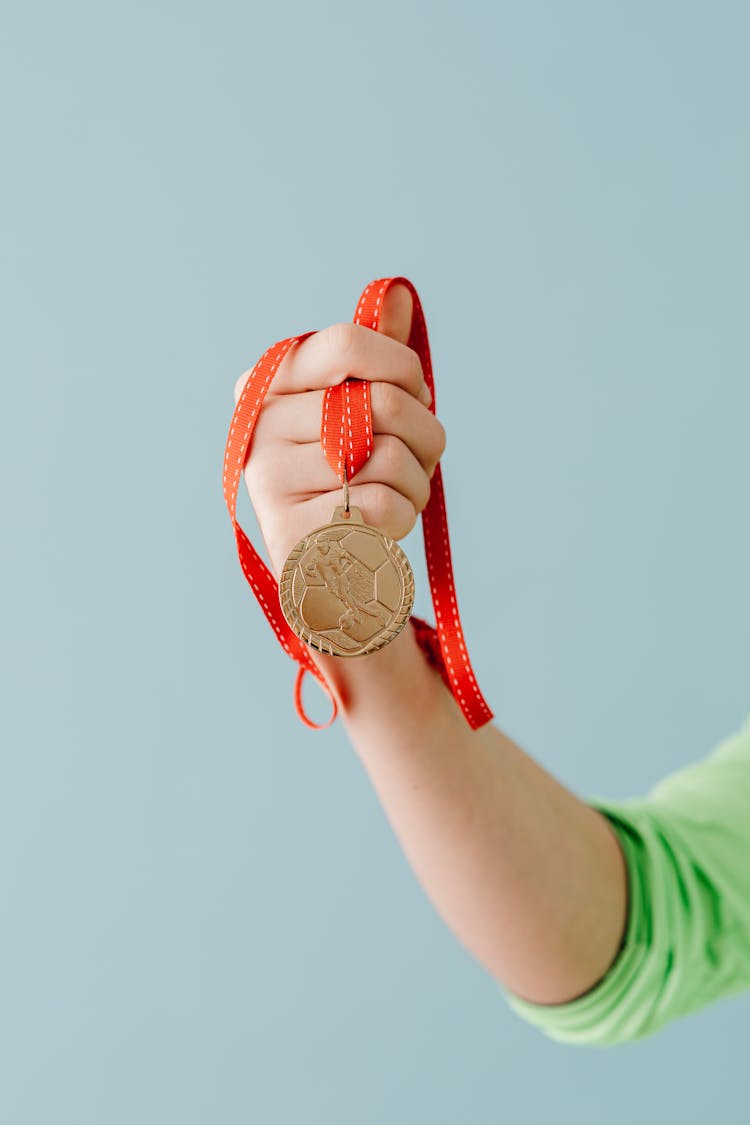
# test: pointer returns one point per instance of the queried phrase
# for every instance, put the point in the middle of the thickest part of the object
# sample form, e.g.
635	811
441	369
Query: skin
529	877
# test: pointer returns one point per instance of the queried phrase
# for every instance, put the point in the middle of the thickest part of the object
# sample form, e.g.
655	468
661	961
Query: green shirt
687	937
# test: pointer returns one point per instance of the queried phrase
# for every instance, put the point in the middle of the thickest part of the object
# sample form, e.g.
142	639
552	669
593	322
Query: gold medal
346	588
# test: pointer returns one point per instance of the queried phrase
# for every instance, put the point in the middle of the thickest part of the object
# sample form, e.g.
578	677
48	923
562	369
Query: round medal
346	588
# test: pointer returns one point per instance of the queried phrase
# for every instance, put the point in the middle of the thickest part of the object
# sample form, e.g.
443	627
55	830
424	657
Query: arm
530	878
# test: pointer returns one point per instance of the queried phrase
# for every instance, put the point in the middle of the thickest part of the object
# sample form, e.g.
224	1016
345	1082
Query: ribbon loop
300	707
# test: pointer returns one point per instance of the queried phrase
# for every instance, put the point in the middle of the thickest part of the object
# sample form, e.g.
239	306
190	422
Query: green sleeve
687	936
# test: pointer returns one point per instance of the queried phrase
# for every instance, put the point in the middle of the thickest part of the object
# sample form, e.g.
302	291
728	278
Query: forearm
529	877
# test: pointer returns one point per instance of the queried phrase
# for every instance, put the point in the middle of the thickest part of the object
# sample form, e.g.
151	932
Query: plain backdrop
205	915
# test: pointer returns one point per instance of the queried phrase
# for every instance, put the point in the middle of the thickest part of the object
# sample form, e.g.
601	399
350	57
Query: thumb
396	317
396	313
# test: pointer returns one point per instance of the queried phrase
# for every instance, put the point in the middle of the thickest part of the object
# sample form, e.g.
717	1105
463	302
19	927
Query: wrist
404	677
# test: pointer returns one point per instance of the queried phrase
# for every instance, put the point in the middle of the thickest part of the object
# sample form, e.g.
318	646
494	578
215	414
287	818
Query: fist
292	487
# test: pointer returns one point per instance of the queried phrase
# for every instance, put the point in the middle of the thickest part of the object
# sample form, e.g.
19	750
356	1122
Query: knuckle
389	510
382	503
389	401
441	438
424	492
391	454
438	442
340	337
403	517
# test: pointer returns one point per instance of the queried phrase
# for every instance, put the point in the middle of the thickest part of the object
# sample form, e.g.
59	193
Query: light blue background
205	915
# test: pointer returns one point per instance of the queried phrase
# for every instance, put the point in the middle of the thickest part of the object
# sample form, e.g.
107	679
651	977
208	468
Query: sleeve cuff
599	1017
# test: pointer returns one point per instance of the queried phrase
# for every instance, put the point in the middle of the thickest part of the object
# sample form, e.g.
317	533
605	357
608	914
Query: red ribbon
347	440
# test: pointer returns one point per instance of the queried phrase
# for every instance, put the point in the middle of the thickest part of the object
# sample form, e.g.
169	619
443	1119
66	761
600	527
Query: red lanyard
347	440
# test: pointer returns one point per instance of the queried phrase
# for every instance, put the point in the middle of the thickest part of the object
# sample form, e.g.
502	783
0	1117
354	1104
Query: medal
346	588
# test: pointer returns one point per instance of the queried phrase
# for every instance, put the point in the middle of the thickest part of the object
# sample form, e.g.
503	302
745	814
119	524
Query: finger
296	418
329	356
305	473
396	313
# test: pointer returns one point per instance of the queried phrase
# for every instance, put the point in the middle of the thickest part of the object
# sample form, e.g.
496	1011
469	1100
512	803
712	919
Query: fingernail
424	395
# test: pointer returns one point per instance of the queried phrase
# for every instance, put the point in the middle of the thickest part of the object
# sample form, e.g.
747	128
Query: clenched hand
292	487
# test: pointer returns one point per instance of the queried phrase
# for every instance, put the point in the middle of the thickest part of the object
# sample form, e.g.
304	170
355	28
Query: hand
292	487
